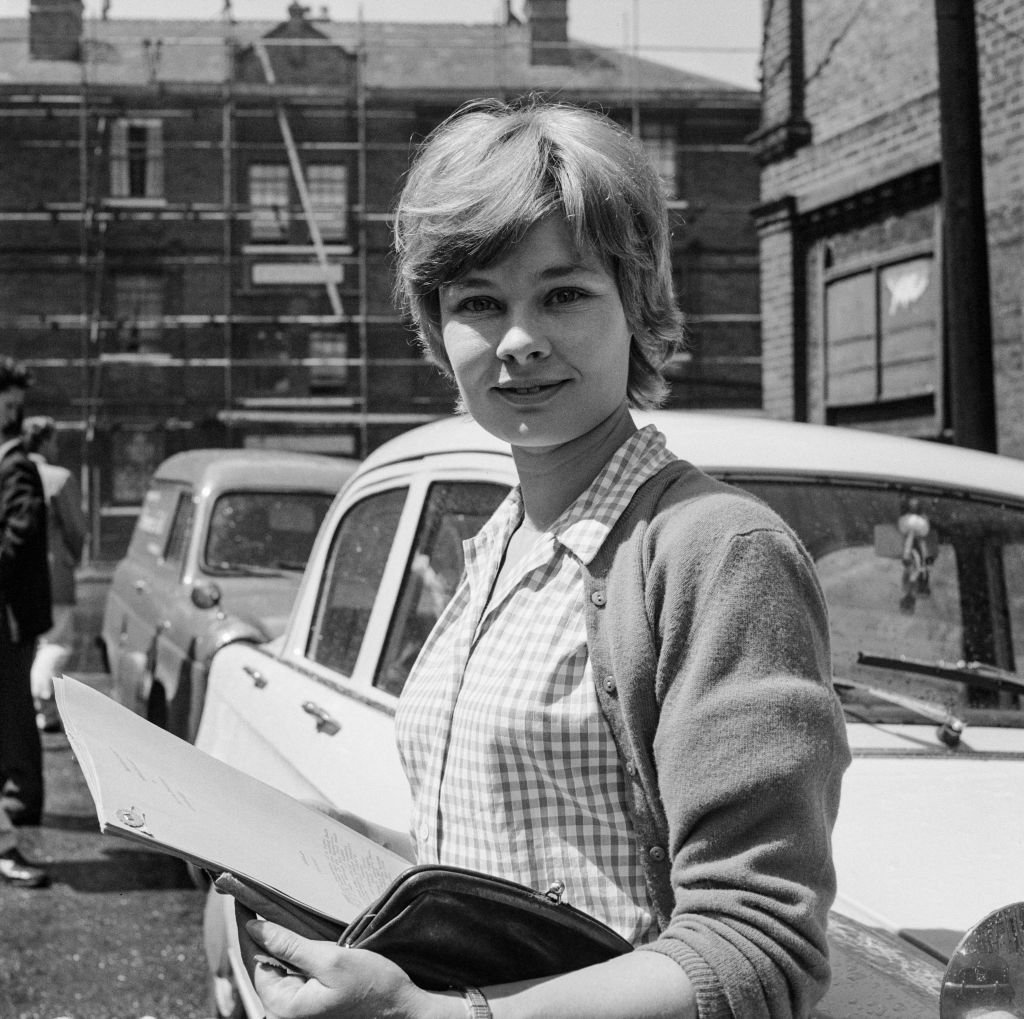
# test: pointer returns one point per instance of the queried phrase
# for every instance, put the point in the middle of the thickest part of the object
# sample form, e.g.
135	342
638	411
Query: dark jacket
24	571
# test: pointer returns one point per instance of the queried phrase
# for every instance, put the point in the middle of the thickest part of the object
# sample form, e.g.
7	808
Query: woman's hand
339	982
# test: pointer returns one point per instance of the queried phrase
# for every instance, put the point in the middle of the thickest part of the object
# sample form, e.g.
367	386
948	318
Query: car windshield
925	591
261	532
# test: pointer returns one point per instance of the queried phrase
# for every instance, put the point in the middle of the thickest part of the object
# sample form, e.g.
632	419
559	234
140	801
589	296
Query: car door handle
258	679
324	722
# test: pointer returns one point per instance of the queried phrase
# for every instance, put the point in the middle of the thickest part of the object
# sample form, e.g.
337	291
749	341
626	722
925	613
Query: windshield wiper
951	728
979	675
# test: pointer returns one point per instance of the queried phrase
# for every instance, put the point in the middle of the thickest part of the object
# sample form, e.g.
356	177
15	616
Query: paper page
153	787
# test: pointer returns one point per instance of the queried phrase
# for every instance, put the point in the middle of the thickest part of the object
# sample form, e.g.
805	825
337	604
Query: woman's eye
565	295
476	304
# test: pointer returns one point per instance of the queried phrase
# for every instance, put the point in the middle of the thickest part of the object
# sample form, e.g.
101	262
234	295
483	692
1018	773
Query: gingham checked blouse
512	766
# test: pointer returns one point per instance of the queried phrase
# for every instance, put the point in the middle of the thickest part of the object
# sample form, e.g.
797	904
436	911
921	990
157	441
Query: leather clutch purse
449	927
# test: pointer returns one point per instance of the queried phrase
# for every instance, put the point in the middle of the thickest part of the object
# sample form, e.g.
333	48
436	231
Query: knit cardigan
708	638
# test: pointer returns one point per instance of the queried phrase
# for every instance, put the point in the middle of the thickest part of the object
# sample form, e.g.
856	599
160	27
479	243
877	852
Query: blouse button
656	853
598	598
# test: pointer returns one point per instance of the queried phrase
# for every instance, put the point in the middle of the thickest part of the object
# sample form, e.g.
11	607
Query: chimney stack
548	22
55	29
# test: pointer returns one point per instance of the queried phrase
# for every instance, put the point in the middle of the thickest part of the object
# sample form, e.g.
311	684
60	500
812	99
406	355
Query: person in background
631	687
25	613
14	868
67	528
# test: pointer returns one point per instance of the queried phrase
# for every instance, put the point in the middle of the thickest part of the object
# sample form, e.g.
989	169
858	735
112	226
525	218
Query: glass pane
269	199
454	511
178	539
915	574
263	530
910	328
850	337
354	570
154	523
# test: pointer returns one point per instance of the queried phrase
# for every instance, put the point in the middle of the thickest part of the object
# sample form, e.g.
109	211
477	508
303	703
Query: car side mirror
985	975
205	595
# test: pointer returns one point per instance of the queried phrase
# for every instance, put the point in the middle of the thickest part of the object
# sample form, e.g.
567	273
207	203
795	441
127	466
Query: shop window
328	193
136	159
269	201
882	335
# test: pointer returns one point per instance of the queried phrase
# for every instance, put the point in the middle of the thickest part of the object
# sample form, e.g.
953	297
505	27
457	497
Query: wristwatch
476	1004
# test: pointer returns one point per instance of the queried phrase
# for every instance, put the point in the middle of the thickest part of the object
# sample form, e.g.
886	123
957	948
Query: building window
882	334
269	201
136	159
138	310
659	140
328	364
328	193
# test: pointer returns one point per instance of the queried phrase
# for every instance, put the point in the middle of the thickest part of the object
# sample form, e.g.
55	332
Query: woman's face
538	341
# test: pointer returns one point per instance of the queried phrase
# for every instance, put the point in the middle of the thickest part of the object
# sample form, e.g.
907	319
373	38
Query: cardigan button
598	598
656	853
609	684
630	769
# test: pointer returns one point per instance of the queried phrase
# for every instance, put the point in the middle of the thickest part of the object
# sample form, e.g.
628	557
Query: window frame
123	160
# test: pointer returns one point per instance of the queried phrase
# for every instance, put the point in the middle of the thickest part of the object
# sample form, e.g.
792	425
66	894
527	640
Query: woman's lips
531	393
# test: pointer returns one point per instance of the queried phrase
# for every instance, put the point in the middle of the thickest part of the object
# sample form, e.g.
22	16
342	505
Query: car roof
256	468
741	443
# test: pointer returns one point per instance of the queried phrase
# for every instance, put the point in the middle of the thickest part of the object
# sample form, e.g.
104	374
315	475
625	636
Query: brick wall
870	97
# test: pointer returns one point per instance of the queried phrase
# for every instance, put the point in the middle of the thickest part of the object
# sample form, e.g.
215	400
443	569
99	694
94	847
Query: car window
263	530
453	512
355	566
181	525
149	538
918	576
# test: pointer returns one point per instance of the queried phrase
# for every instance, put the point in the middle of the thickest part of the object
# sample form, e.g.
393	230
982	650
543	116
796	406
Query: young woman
630	690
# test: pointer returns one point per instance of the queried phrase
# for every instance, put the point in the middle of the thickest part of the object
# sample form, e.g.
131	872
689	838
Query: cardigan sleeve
748	751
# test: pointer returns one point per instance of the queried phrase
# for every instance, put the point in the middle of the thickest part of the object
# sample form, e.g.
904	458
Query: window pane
180	528
139	309
328	378
264	530
269	199
850	339
955	593
659	141
328	192
354	570
154	523
454	512
910	328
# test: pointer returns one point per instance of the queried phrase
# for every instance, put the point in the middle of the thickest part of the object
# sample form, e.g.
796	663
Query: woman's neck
552	478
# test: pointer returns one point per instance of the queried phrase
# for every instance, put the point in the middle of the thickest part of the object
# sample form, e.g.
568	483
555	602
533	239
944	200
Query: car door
316	717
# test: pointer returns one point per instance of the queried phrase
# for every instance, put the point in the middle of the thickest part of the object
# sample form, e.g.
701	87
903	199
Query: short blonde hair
492	170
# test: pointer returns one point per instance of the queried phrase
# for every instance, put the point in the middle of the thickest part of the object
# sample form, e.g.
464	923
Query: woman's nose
521	342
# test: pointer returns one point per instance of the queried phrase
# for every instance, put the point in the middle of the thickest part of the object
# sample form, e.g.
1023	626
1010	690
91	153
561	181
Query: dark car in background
216	556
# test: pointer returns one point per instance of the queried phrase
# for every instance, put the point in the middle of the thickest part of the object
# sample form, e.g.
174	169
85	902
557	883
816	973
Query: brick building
851	212
194	246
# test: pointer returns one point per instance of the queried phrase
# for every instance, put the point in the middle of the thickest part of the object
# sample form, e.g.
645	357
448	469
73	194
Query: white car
920	551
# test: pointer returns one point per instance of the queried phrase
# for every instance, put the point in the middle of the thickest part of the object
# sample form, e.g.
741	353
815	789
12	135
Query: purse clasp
555	891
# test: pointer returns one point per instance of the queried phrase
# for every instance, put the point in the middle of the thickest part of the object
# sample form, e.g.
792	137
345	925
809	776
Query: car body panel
156	638
929	832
